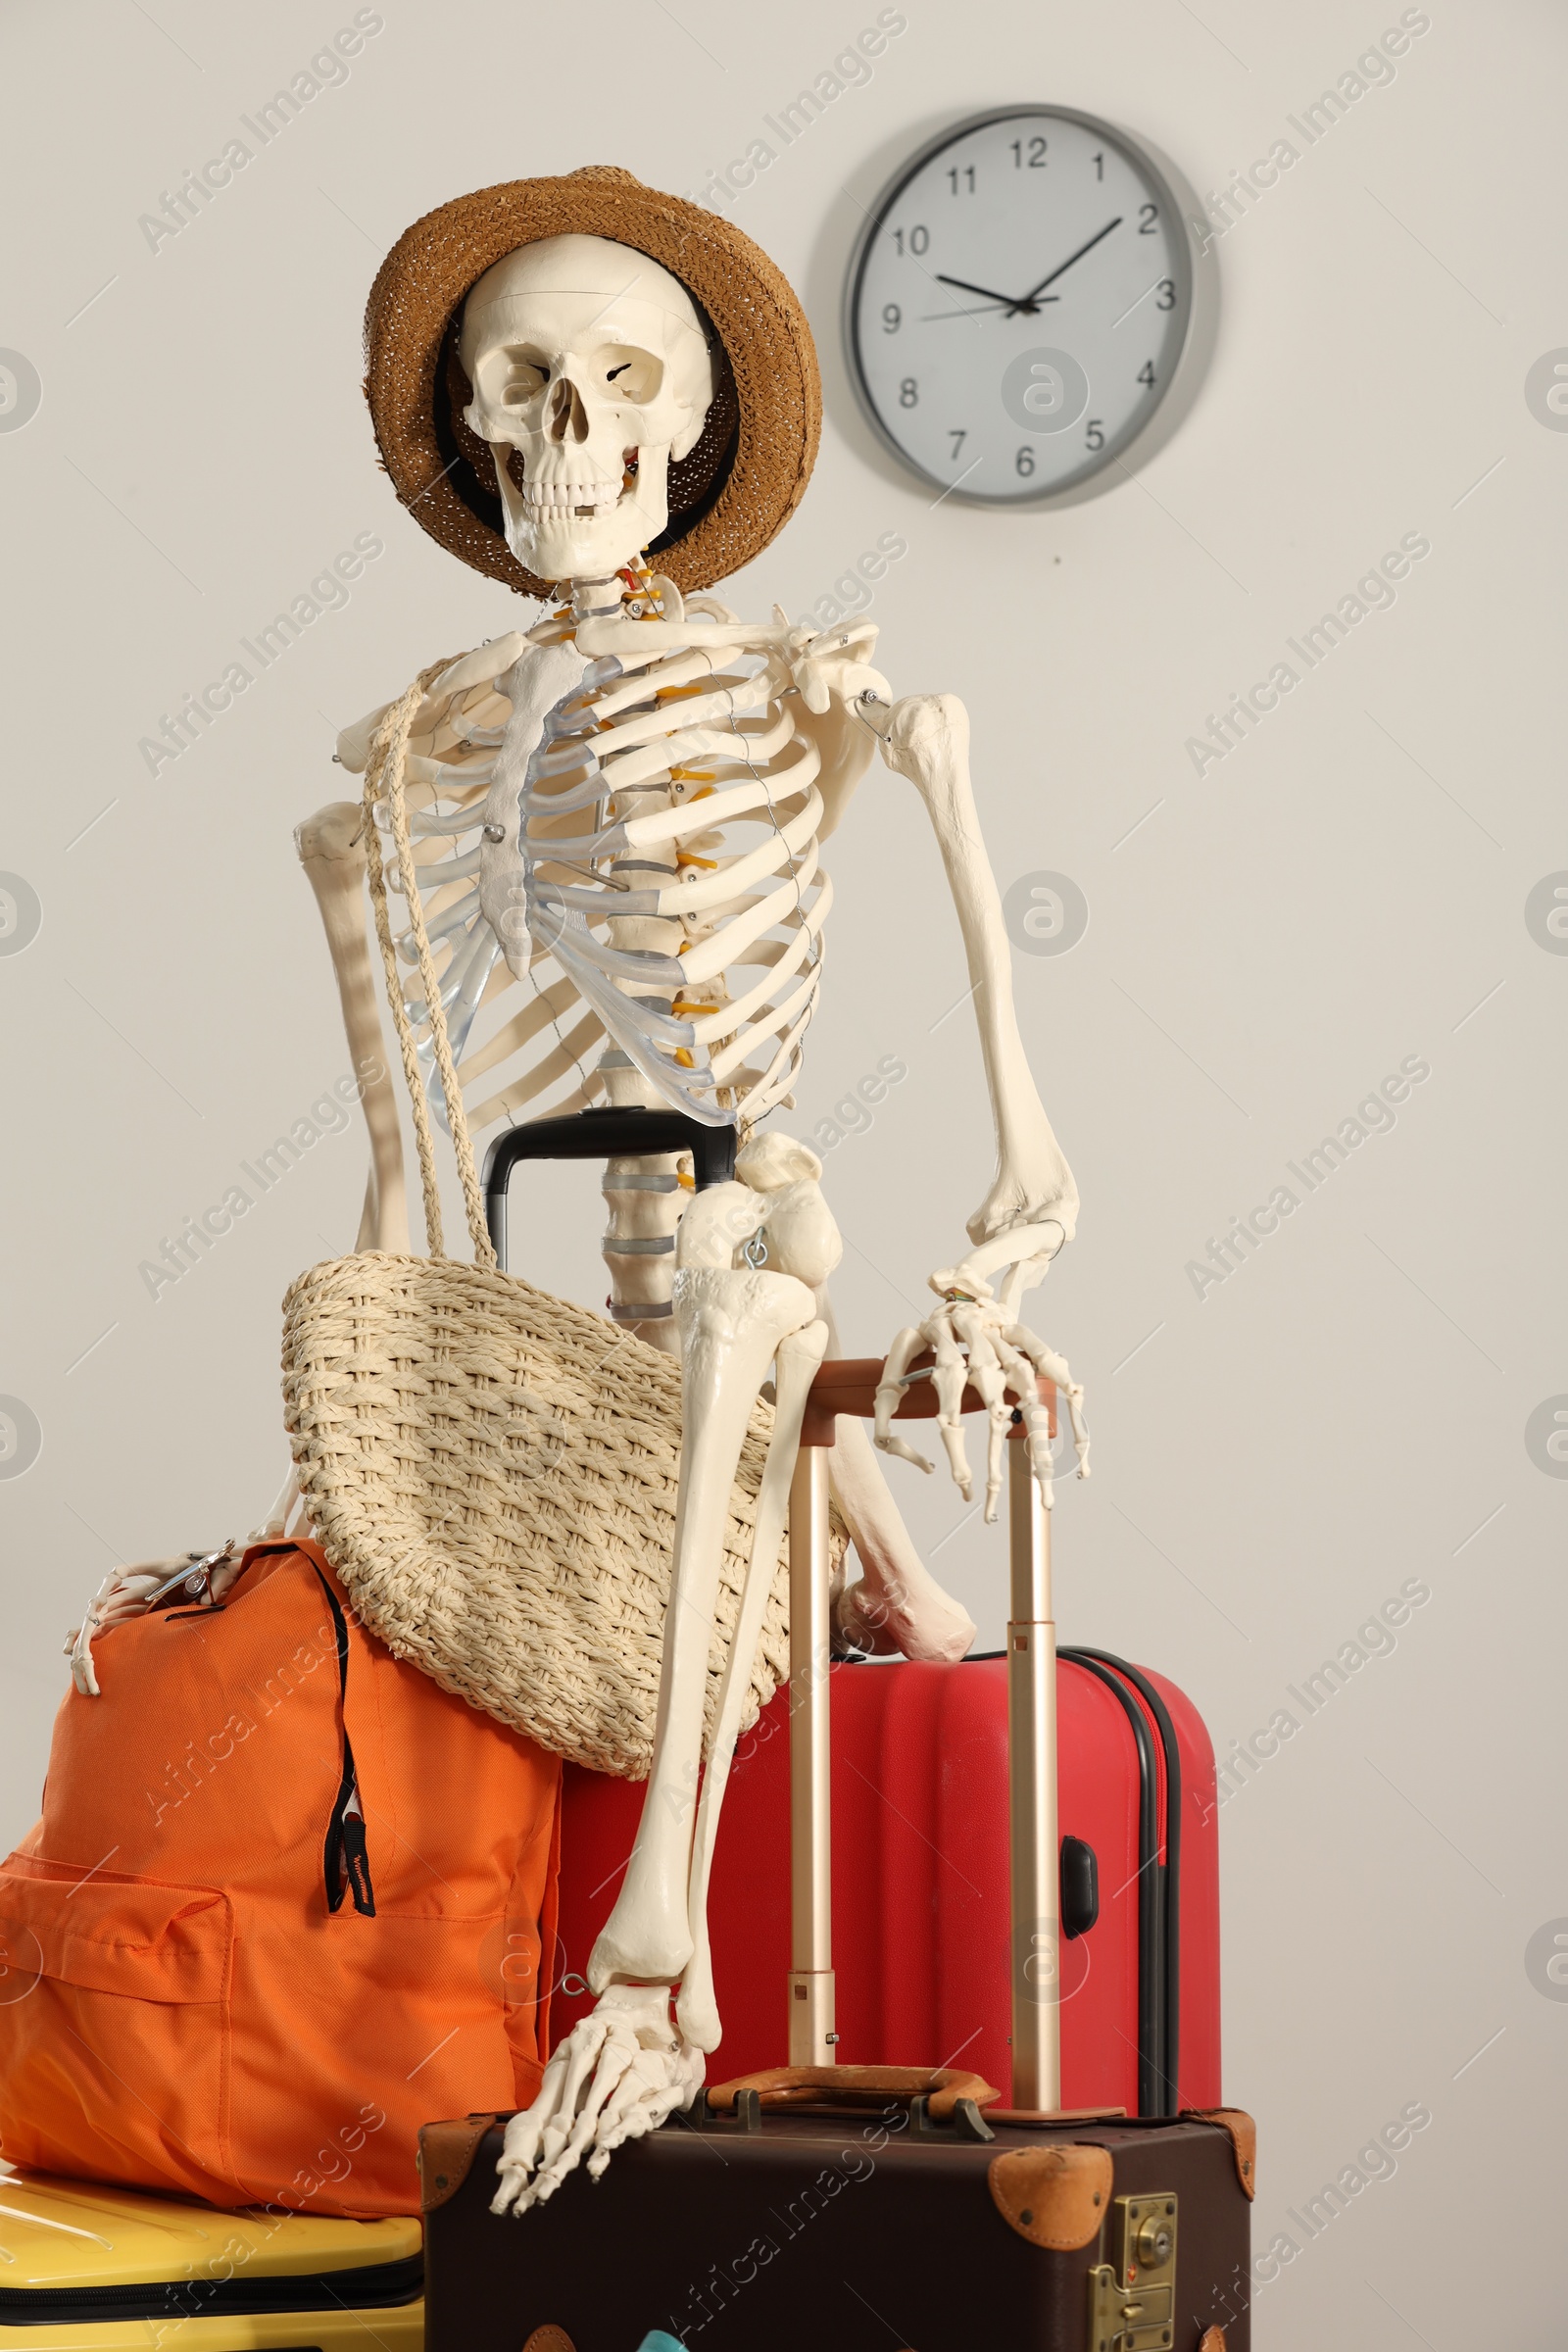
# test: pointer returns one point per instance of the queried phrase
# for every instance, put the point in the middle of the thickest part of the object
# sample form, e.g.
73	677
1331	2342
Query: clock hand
1035	292
1009	301
974	309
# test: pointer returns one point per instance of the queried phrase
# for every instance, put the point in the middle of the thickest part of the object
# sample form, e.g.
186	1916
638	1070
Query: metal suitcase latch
1132	2299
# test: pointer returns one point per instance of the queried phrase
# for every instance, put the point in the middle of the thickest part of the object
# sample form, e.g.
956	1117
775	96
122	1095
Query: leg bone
731	1324
623	2069
799	1357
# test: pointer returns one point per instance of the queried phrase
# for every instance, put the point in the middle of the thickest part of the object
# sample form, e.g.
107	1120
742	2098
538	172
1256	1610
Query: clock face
1020	306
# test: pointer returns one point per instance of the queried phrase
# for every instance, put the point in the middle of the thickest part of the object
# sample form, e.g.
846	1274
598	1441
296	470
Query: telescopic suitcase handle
602	1135
848	1385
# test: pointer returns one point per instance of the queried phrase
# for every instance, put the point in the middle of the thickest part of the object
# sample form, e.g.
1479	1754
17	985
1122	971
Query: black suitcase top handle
602	1135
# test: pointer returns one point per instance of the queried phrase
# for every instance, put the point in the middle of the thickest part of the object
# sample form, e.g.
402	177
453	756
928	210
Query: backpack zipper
345	1861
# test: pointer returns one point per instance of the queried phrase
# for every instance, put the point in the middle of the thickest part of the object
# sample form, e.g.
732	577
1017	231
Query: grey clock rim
1199	289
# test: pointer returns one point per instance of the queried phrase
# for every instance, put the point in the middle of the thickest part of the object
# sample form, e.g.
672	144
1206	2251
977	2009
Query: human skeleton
618	816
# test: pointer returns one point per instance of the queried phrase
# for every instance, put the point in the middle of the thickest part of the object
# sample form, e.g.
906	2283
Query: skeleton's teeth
569	495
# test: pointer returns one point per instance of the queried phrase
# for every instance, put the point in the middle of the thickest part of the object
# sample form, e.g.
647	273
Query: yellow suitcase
88	2268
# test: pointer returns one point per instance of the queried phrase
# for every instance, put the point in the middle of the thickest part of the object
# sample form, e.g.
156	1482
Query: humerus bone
332	853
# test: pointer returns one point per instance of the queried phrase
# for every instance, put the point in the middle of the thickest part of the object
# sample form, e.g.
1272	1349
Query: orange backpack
286	1902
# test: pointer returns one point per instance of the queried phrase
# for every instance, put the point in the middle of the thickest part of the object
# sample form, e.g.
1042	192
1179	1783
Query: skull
588	358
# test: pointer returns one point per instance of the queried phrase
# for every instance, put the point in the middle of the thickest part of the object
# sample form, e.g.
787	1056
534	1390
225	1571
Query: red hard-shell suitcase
920	1883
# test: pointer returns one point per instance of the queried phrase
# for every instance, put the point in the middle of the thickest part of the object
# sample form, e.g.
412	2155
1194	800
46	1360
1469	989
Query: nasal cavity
566	419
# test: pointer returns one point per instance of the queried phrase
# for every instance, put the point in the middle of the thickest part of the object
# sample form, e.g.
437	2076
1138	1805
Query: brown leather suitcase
871	2222
852	2208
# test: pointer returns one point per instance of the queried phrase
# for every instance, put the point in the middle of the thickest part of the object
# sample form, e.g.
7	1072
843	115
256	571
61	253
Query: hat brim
732	492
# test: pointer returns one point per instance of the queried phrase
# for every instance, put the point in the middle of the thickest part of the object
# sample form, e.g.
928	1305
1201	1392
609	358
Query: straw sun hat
748	469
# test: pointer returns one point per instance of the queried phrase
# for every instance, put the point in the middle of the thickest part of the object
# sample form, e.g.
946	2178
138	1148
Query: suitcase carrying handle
602	1135
826	2090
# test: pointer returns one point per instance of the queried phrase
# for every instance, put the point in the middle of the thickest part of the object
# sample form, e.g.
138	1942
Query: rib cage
633	866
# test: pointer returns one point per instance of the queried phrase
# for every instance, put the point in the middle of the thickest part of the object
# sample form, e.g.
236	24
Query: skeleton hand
131	1592
977	1339
619	2073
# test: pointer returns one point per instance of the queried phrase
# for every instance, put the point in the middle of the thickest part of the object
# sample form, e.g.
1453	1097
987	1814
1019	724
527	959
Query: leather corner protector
446	2155
1243	2133
555	2339
1213	2340
1057	2197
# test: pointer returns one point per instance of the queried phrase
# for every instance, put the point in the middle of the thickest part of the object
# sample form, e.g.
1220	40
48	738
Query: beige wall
1274	1460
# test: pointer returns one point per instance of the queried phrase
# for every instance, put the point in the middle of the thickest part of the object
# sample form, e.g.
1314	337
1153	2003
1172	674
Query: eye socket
528	372
627	373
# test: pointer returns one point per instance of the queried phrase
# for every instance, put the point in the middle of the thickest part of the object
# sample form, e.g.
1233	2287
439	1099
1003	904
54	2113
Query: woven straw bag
492	1471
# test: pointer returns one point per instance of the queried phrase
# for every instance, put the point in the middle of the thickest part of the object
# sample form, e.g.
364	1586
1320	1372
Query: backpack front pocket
115	2025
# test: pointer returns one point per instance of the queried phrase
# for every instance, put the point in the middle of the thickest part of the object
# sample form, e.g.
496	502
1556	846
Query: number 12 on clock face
1029	306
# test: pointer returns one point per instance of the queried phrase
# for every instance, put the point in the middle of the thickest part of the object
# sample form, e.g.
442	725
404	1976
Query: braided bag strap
385	780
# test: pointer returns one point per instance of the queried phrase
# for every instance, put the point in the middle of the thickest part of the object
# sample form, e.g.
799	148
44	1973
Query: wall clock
1030	306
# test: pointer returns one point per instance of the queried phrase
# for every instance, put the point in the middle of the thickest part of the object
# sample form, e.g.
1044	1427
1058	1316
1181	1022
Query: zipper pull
357	1865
